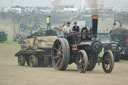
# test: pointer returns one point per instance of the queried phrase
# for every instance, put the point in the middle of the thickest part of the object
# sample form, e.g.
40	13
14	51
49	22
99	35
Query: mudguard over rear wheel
108	61
82	61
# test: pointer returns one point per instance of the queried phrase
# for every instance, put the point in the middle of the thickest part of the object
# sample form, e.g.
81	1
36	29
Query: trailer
36	50
34	58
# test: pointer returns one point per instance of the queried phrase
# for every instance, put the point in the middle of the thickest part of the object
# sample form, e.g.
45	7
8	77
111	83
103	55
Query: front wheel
108	61
82	61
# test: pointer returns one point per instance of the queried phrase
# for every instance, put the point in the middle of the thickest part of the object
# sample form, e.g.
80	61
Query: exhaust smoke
94	5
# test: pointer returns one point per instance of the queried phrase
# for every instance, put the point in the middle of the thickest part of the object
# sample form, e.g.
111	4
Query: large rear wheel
60	58
68	50
82	61
108	61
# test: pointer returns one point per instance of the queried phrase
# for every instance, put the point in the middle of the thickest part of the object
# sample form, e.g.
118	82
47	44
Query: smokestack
94	25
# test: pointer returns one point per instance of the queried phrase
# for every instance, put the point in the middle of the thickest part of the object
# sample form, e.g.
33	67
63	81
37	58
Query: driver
67	28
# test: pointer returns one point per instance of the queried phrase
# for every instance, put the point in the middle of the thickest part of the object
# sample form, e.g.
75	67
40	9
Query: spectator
75	27
48	23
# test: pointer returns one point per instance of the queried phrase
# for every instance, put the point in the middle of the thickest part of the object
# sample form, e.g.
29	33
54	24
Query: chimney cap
95	16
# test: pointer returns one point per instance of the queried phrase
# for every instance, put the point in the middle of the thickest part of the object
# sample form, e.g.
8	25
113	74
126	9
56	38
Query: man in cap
67	28
75	27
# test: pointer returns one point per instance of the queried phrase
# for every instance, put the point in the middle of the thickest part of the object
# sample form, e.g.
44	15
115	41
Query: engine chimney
94	25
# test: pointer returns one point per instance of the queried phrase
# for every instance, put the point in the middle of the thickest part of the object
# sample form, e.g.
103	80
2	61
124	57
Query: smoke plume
93	4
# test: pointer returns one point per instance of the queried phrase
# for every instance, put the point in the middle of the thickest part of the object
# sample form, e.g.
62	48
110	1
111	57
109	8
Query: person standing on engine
48	23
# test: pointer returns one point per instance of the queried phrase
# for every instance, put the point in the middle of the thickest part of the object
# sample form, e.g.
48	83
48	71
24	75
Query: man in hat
67	28
75	27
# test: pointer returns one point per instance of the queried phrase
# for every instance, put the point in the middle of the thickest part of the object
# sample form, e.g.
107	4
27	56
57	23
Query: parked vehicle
108	44
120	35
3	36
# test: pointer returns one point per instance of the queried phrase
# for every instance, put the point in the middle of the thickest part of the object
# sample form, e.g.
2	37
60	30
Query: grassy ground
10	44
12	74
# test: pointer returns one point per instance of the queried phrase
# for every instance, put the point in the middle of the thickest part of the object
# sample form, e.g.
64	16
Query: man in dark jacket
75	27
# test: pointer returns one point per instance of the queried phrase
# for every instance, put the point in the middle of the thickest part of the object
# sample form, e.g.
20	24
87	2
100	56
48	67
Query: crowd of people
66	28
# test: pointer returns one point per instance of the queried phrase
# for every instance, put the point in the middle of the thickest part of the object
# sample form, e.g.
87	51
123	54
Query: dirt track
12	74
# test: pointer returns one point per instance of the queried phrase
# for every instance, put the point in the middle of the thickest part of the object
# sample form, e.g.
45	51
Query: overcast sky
77	3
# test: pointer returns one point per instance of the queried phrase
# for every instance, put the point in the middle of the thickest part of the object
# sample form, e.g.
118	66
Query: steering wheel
84	31
85	34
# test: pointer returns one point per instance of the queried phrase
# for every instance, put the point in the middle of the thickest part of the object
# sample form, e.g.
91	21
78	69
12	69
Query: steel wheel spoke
60	47
81	62
56	57
56	49
58	62
81	59
107	67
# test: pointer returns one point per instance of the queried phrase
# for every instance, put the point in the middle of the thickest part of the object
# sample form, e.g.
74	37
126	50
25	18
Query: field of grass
10	44
7	26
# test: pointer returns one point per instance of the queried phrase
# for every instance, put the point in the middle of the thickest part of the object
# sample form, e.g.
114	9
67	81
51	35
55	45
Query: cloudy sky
77	3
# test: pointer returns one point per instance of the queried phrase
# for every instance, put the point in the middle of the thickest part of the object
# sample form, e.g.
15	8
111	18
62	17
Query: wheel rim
107	63
57	53
81	62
